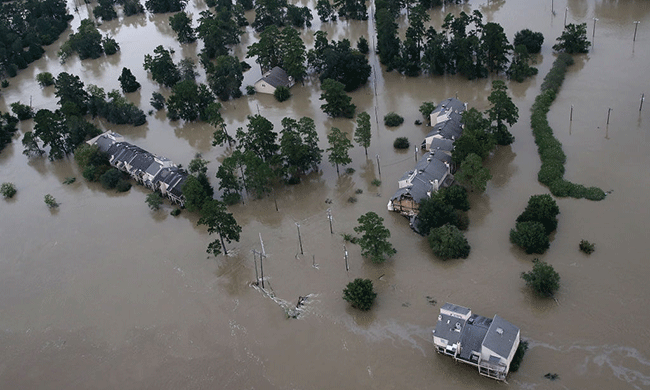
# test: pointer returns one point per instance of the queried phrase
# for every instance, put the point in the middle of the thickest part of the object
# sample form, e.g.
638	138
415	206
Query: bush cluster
393	119
550	151
401	143
535	223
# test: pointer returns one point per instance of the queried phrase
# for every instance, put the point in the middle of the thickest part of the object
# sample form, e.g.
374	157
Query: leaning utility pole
329	216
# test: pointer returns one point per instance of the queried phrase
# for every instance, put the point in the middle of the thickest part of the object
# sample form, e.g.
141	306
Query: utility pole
329	216
299	238
378	167
571	116
345	255
552	10
416	154
257	277
593	33
642	99
609	110
566	10
636	25
262	255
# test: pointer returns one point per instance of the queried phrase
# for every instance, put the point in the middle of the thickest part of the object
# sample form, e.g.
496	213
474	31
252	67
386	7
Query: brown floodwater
103	293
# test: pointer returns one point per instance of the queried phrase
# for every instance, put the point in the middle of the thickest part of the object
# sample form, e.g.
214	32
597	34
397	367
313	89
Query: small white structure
273	79
488	344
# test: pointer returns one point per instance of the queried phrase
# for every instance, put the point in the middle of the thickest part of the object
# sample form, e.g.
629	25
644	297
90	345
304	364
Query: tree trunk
223	245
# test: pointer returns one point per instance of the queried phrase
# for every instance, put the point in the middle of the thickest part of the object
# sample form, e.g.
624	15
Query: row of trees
64	129
27	26
465	45
88	42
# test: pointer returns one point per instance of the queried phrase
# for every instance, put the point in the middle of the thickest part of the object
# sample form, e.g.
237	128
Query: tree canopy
473	174
218	220
362	133
543	209
573	39
531	40
162	67
448	242
339	148
337	102
543	279
374	238
360	294
530	236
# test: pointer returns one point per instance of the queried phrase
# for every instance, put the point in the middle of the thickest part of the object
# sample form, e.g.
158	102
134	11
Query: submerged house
273	79
435	169
430	174
155	172
486	343
447	124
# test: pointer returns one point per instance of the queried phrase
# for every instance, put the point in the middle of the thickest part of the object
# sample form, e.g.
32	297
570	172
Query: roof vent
457	325
499	331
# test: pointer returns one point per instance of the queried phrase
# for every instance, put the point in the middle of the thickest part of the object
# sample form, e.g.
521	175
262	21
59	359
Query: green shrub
519	356
45	79
8	190
154	200
50	201
360	294
5	83
157	101
376	182
542	209
587	247
110	178
542	279
250	90
448	242
349	170
22	111
175	212
282	93
532	40
401	143
123	185
392	119
530	236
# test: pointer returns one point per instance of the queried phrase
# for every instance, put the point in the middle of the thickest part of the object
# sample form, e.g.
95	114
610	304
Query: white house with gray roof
273	79
486	343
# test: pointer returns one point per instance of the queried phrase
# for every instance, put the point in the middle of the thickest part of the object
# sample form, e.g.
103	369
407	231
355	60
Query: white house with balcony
486	343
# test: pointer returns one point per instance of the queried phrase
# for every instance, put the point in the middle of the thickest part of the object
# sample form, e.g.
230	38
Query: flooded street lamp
636	25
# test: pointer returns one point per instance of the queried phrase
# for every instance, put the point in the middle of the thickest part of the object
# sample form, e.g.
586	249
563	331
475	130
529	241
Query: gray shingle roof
277	77
473	335
501	341
443	144
446	328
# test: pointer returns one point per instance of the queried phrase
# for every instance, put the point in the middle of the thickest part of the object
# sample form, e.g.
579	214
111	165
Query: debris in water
431	301
406	304
551	376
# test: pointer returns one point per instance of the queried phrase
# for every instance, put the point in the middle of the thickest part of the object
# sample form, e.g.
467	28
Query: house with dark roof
273	79
486	343
430	174
447	124
157	173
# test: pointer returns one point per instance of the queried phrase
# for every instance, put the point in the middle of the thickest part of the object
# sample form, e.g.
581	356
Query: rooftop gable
501	336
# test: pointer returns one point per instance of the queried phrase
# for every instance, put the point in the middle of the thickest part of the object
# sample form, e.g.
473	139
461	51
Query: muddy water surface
103	293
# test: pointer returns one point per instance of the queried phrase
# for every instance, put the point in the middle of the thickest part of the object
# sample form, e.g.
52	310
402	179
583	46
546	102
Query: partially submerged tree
339	147
299	147
543	279
473	174
531	40
573	39
181	23
154	201
8	190
218	220
162	67
543	209
360	294
337	103
448	242
374	238
362	133
127	81
50	201
503	111
530	236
